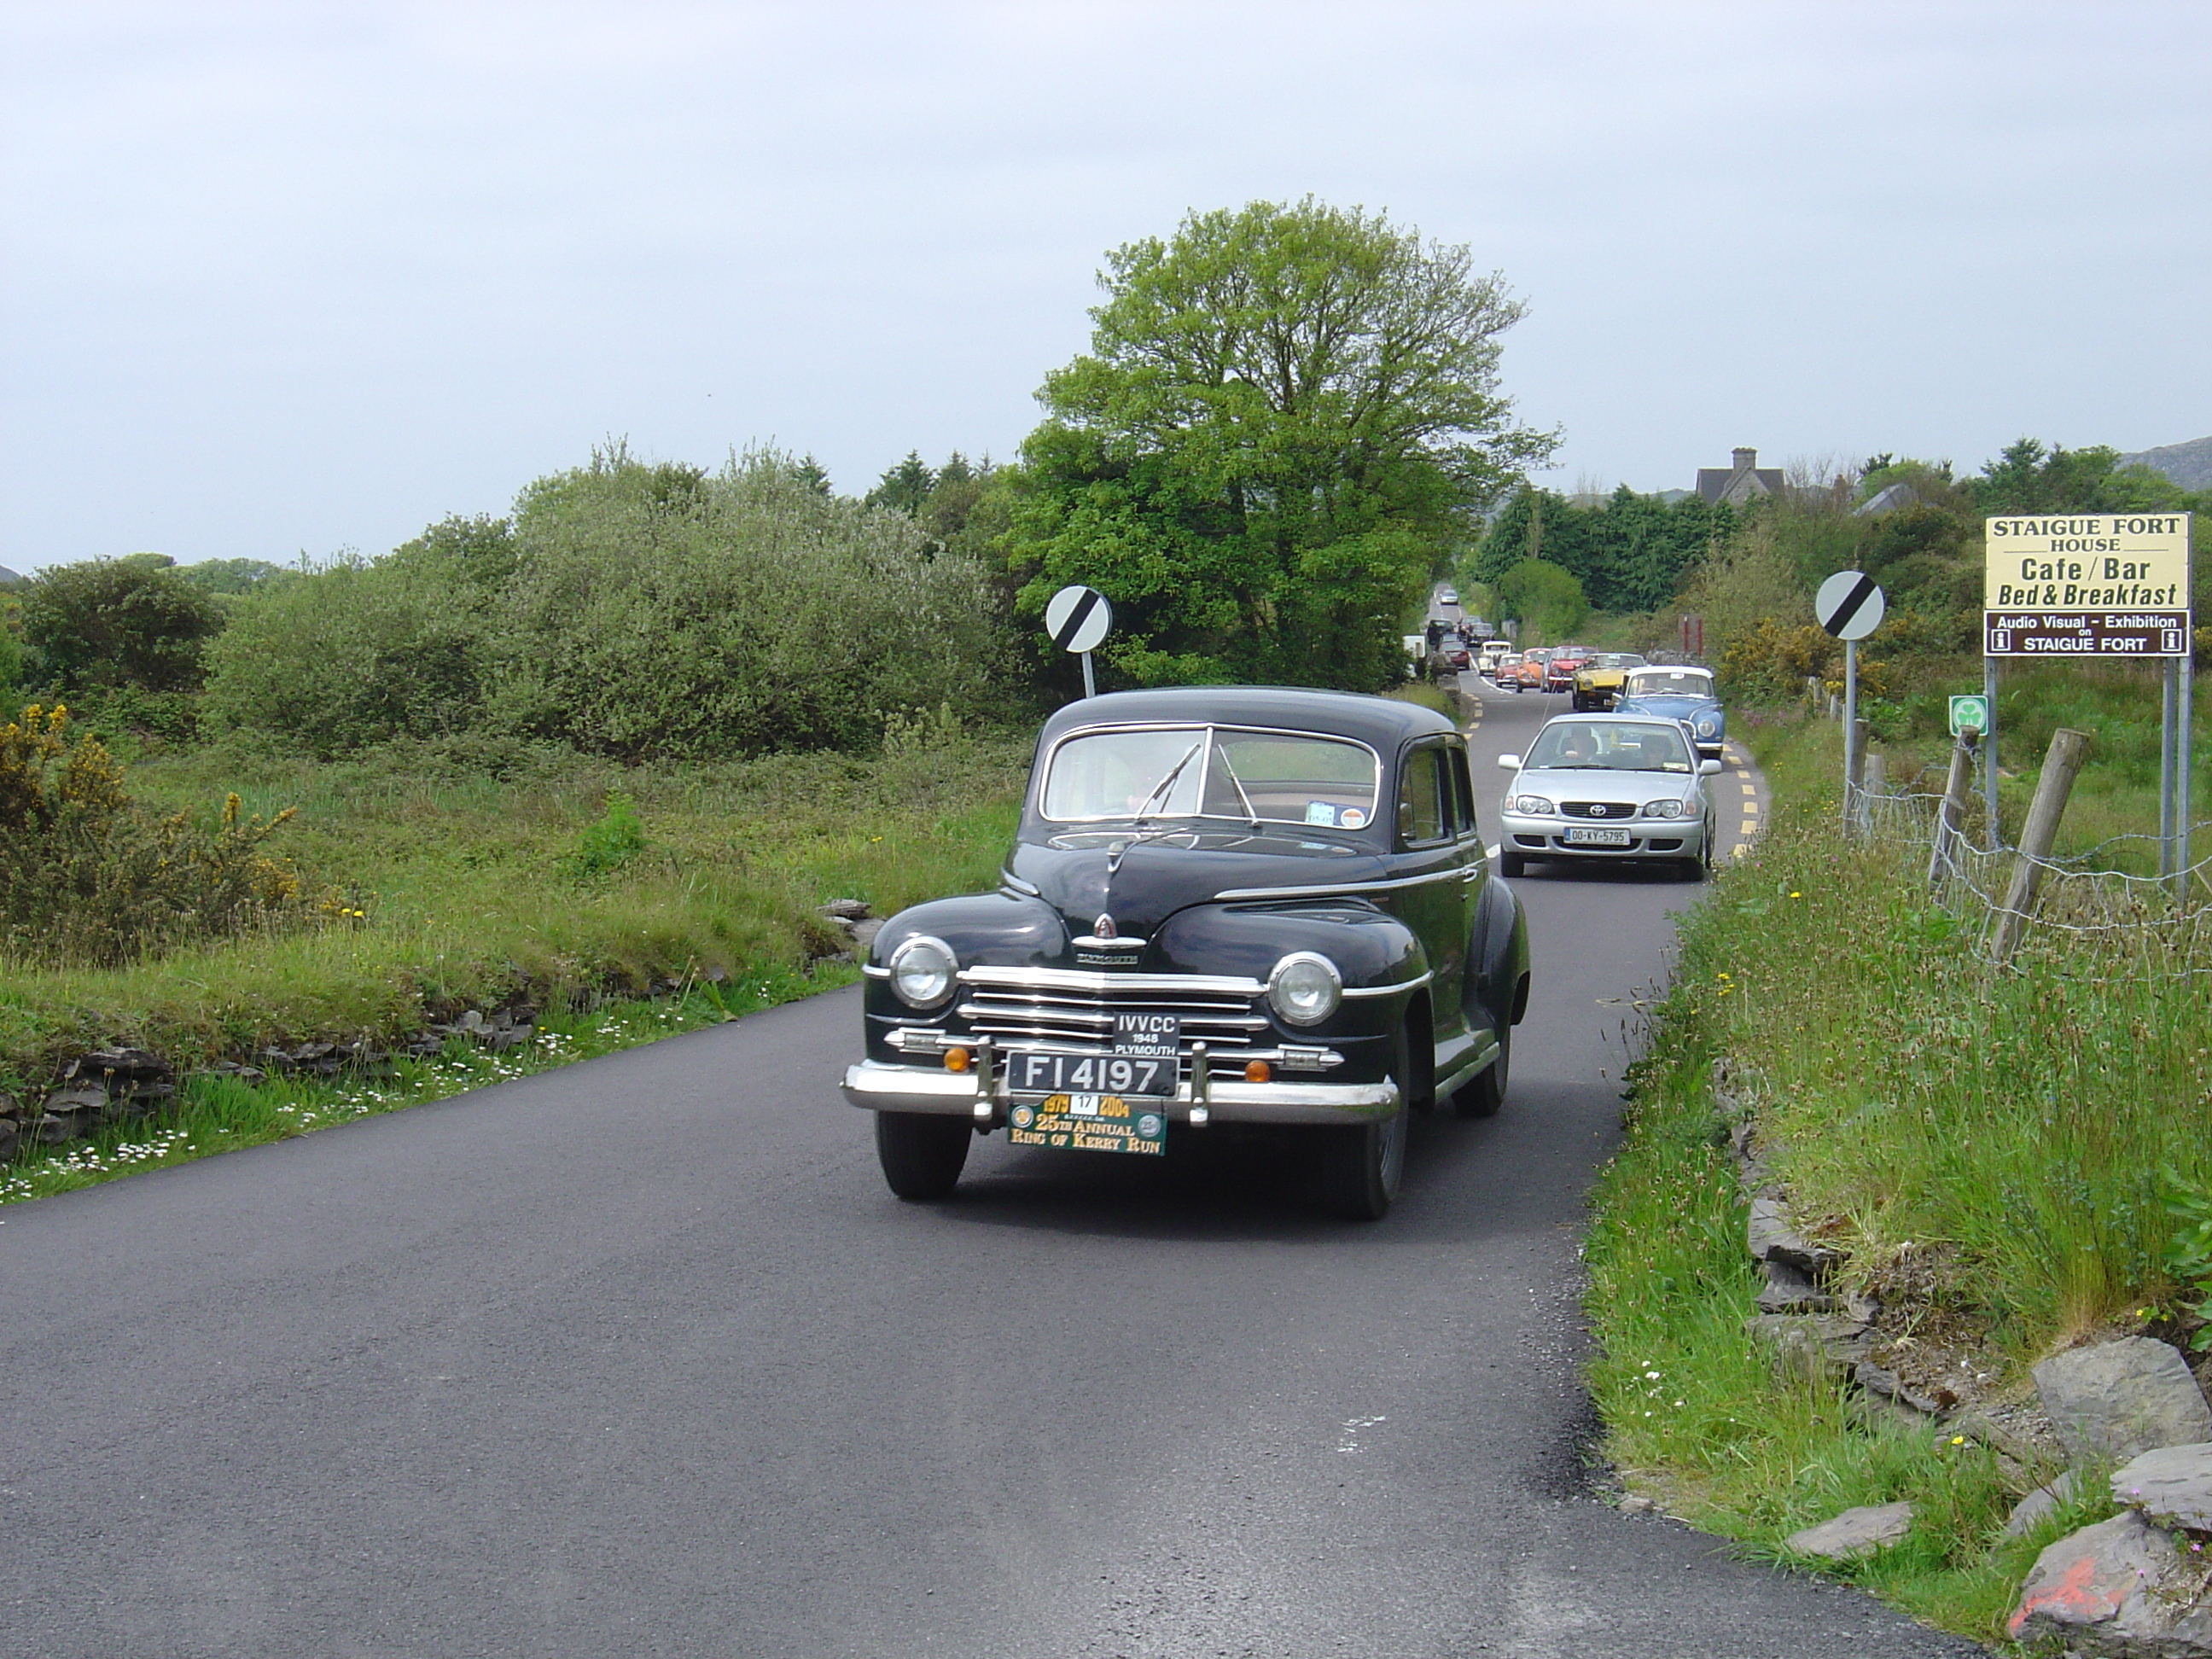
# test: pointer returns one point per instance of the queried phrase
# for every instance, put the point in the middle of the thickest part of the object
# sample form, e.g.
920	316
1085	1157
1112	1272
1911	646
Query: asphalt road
639	1357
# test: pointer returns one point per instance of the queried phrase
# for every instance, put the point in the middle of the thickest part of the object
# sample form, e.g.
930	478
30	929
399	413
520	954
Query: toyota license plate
1091	1123
1580	835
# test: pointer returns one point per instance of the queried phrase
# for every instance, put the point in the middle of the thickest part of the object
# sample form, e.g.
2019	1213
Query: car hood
1601	783
1672	708
1080	877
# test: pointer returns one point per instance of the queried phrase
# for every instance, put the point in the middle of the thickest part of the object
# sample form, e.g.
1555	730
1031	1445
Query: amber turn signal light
955	1059
1257	1071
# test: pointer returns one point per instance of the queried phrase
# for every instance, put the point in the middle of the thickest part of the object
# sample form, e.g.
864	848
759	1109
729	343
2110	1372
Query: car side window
1462	792
1425	800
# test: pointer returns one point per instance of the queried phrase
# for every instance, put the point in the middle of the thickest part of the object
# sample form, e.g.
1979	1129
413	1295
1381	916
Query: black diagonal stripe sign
1078	617
1849	605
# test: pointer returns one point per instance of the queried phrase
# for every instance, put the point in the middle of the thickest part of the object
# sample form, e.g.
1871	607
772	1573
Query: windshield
1144	773
1617	659
1669	683
1609	746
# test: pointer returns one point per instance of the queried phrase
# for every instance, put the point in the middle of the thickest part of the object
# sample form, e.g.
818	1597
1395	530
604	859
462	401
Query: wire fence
2100	920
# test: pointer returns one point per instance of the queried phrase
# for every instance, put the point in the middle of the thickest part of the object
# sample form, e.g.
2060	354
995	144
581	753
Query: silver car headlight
1305	987
1707	725
924	970
1533	806
1662	809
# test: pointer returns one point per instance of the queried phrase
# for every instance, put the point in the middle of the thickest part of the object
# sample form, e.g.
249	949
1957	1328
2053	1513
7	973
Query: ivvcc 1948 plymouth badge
1223	906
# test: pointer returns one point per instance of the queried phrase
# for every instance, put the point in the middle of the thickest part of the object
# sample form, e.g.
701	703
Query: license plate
1089	1123
1579	836
1029	1072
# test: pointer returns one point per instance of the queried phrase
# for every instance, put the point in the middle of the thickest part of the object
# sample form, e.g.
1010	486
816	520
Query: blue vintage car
1240	906
1681	693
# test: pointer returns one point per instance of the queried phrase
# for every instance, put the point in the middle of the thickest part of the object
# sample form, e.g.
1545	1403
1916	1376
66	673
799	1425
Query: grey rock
2119	1587
1879	1380
864	935
847	909
1854	1532
81	1099
11	1136
2115	1399
2172	1485
118	1062
1770	1237
473	1020
2040	1502
1787	1290
1815	1348
1636	1502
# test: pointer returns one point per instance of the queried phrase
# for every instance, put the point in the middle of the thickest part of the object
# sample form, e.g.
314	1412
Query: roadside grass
1990	1142
488	877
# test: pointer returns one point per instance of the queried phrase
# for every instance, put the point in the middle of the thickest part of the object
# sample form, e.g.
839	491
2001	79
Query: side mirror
1709	768
1510	762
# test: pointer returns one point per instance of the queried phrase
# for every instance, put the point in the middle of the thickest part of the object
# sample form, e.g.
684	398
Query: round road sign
1849	605
1078	618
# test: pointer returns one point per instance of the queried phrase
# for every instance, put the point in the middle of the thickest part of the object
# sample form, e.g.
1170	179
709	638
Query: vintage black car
1247	906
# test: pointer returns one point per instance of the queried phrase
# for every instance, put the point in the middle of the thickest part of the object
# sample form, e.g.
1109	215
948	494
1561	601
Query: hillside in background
2188	465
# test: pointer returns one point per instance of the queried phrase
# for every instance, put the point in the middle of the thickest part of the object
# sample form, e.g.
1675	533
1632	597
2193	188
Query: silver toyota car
1612	787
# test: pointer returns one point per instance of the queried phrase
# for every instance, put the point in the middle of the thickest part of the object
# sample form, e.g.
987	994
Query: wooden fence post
1955	806
2037	837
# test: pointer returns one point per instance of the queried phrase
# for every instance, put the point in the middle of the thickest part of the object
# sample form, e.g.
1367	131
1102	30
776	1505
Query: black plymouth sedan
1248	906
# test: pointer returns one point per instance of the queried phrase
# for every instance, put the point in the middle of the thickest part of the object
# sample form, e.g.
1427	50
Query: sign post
1078	617
2099	585
1849	606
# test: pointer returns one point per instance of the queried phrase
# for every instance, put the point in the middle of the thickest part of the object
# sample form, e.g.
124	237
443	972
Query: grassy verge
1985	1147
487	879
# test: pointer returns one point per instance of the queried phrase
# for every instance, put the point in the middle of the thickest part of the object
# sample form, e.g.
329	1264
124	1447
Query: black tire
1361	1166
1510	863
922	1153
1487	1093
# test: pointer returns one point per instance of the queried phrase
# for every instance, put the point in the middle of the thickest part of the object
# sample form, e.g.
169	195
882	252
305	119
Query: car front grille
1597	808
1076	1010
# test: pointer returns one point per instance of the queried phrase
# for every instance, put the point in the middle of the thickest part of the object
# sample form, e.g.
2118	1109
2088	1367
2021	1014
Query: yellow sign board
2088	561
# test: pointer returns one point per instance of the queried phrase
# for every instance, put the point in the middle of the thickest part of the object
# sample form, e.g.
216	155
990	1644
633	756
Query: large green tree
1288	417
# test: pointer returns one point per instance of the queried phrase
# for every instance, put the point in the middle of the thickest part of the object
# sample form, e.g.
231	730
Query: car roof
1667	720
1679	668
1383	723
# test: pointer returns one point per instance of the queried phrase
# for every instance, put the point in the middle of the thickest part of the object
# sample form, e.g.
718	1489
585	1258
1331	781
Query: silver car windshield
1144	773
1609	746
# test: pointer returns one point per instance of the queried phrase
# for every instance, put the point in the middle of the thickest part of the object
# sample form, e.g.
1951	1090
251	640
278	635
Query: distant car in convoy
1527	674
1613	788
1447	596
1493	652
1451	656
1559	670
1598	681
1678	692
1223	906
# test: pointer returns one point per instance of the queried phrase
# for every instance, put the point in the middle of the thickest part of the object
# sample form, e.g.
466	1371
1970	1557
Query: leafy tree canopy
108	623
1547	600
1288	416
1630	554
233	575
2030	478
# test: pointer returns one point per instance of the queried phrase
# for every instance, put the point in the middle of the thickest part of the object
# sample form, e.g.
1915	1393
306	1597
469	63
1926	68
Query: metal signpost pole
1850	733
1990	748
2169	683
1090	685
2181	801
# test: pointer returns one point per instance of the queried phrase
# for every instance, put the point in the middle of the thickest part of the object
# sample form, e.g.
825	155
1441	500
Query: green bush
608	844
86	879
629	611
134	621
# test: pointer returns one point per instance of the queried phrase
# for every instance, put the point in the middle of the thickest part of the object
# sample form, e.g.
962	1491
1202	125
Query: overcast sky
305	276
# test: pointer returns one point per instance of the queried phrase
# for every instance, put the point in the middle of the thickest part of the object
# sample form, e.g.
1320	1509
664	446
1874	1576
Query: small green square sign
1969	714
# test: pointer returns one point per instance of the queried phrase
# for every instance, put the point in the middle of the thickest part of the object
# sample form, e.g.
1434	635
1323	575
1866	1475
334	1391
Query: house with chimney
1743	480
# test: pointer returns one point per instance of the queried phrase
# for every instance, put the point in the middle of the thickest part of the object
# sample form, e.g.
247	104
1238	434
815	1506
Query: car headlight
924	971
1533	806
1305	987
1662	809
1708	726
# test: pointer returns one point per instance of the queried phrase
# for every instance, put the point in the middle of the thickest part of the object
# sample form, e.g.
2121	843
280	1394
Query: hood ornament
1102	928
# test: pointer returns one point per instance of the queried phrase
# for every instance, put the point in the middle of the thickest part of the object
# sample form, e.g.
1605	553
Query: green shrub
608	844
133	621
87	879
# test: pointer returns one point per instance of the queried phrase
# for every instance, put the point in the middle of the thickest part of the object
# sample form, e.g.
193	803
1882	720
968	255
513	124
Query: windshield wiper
1160	789
1251	812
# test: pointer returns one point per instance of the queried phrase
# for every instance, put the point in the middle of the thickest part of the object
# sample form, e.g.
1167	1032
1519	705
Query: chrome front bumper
881	1087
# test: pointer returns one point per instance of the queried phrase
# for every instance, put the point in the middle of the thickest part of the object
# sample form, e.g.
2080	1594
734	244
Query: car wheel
1363	1166
1483	1097
922	1153
1510	863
